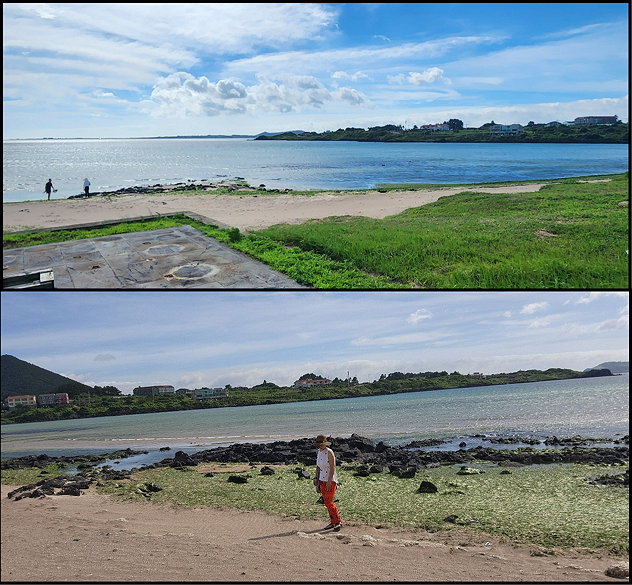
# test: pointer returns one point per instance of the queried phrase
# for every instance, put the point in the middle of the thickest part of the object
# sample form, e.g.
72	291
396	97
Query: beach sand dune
246	212
97	538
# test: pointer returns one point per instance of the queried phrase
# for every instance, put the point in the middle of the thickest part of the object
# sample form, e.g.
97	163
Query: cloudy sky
125	70
194	339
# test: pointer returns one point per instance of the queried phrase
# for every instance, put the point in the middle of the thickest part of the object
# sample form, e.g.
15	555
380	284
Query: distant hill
20	377
614	367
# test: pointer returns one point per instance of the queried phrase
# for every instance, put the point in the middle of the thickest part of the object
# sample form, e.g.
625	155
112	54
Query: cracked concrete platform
169	258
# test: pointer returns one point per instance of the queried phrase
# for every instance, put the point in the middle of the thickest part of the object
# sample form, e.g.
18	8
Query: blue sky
195	339
125	70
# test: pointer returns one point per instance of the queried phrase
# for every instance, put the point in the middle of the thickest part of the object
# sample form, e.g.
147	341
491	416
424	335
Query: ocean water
594	407
114	163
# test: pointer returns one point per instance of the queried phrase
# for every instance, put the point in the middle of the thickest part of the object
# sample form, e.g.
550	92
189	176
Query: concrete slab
171	258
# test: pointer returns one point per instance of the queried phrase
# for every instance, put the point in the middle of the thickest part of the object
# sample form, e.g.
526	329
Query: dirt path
97	538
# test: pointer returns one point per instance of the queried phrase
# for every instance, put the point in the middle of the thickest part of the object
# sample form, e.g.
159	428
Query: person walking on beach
48	188
86	187
327	480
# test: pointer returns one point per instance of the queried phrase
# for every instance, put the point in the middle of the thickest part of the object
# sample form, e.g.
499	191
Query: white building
505	129
308	383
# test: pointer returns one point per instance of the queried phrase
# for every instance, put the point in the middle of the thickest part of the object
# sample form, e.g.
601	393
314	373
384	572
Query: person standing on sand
48	188
86	187
327	480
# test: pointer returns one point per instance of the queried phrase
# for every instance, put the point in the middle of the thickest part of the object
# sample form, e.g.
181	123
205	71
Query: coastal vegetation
572	234
617	133
553	508
108	401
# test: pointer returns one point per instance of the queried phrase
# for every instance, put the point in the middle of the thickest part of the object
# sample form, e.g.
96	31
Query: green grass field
551	507
567	235
570	235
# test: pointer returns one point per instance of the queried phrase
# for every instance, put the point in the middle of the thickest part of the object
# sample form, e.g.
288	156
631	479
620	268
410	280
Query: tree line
533	133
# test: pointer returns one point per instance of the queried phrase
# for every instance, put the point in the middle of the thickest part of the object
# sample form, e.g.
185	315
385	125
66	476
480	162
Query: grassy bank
568	235
550	507
572	234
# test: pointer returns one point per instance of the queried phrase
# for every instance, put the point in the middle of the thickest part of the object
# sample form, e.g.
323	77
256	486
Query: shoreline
247	211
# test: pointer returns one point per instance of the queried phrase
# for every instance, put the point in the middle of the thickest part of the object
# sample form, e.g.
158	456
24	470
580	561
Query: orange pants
328	498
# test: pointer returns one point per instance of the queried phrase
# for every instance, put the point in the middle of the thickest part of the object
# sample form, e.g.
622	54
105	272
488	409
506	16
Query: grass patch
30	474
551	506
572	234
305	266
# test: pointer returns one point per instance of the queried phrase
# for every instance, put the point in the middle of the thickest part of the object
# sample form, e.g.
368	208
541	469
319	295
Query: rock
451	519
468	471
303	474
181	458
619	571
427	487
237	479
265	470
71	490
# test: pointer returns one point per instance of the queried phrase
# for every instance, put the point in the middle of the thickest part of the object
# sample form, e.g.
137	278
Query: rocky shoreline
366	456
190	186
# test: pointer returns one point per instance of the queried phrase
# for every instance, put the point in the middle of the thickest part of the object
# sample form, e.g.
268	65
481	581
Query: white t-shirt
322	462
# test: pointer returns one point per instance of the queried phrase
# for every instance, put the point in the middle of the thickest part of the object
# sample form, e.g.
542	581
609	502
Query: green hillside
20	377
614	367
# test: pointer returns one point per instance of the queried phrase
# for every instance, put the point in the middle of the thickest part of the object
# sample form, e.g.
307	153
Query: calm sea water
597	407
114	163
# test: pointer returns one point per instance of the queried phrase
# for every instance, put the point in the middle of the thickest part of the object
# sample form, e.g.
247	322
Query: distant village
510	129
204	393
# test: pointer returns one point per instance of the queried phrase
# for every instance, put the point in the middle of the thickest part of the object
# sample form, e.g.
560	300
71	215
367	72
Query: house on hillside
309	382
210	393
53	399
22	399
153	390
585	120
435	127
505	129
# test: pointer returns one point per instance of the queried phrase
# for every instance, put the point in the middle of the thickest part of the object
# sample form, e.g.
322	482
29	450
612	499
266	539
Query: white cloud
533	307
183	95
622	323
428	76
352	77
539	323
419	315
593	296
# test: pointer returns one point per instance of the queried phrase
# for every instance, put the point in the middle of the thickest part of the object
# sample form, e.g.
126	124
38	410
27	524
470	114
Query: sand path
97	538
246	212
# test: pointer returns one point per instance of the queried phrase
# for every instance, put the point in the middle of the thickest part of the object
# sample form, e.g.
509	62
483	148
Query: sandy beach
246	212
96	538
